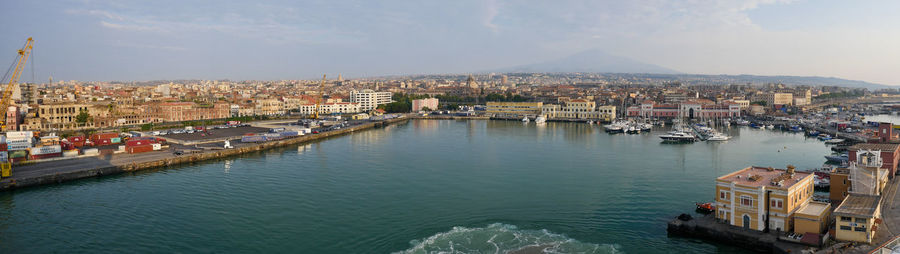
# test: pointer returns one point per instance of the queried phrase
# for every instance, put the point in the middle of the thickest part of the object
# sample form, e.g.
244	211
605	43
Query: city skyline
99	40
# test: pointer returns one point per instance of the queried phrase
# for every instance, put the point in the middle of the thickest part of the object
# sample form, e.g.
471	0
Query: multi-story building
64	116
773	99
330	108
189	111
269	107
889	155
513	109
606	113
369	99
689	109
856	217
865	174
430	103
752	196
578	109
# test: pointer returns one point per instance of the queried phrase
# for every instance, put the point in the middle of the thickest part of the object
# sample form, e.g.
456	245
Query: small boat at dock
525	120
838	158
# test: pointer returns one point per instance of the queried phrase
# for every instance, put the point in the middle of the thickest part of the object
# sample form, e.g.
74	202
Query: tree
82	117
426	109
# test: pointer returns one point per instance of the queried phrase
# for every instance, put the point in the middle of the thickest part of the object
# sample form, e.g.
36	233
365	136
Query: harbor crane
21	58
315	114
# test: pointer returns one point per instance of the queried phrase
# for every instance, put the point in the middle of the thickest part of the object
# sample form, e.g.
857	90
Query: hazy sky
143	40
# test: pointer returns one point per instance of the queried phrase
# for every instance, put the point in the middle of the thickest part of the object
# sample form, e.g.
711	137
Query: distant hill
591	61
810	80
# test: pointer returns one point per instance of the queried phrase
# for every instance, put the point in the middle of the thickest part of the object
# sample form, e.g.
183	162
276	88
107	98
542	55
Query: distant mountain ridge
594	60
598	61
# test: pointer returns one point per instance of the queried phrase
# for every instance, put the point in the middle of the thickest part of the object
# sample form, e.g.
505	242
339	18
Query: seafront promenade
72	169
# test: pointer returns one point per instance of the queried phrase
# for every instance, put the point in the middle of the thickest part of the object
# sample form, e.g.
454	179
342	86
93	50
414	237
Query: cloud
148	46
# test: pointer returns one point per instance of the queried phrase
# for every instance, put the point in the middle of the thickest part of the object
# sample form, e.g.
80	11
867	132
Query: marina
418	199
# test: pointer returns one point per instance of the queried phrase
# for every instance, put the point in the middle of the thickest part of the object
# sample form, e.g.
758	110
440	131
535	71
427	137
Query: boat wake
502	238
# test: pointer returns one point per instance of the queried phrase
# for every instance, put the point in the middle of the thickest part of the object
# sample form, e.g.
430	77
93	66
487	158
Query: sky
106	40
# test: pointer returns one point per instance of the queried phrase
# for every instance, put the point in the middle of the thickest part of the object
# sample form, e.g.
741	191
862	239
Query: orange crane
319	99
21	58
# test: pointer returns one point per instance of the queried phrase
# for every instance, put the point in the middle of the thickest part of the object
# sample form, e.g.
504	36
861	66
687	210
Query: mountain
594	60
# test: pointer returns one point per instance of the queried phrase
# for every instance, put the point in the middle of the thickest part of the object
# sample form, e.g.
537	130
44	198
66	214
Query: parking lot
213	134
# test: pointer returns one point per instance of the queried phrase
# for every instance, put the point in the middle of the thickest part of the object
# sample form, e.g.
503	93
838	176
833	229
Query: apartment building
369	99
513	109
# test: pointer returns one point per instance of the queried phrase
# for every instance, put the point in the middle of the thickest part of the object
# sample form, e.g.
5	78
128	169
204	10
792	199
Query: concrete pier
68	170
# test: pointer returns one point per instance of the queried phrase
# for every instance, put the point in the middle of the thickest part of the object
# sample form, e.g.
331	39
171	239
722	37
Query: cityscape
590	152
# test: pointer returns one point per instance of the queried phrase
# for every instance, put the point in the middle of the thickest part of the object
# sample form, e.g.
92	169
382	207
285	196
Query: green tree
82	117
426	109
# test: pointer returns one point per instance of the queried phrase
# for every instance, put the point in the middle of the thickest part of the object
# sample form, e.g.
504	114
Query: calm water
468	186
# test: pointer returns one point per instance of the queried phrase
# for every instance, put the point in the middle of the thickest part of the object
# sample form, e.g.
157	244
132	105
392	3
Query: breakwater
51	175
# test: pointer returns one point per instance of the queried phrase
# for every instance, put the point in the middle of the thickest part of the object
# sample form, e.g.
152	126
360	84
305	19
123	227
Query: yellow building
514	109
856	218
773	99
579	108
746	196
812	218
606	113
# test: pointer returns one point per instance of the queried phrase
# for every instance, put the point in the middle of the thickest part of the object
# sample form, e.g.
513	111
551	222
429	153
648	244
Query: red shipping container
107	135
44	156
101	142
3	147
139	149
140	142
78	144
76	139
16	160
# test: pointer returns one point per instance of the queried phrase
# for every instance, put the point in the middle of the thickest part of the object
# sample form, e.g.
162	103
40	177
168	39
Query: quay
59	171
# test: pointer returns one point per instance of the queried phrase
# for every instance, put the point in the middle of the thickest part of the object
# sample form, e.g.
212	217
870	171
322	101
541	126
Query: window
844	218
846	228
723	195
859	229
860	220
746	201
777	203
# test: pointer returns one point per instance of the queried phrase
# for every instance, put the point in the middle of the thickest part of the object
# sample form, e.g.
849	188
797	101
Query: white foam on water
503	238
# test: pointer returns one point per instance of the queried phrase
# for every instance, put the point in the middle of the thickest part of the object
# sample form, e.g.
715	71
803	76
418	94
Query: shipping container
102	142
19	135
17	160
139	149
44	156
18	154
251	139
3	147
76	139
156	147
70	153
287	134
45	150
67	145
107	135
139	142
79	143
115	140
91	151
234	122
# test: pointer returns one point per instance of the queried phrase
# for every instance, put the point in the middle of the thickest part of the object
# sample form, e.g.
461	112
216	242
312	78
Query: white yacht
718	137
678	136
525	120
540	119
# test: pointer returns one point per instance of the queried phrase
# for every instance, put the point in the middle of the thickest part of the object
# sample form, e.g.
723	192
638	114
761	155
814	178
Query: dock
51	172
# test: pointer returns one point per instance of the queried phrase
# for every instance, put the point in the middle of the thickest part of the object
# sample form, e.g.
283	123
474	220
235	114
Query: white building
331	108
418	105
368	99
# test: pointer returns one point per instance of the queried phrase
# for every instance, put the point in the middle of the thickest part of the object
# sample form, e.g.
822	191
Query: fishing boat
645	127
705	208
813	133
824	137
525	120
742	122
770	126
834	141
615	127
632	129
838	158
540	119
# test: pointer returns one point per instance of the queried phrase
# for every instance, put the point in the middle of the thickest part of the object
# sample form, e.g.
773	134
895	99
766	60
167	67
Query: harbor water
418	187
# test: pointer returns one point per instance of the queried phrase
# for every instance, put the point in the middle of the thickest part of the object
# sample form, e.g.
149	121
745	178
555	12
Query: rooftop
871	146
760	176
859	205
814	208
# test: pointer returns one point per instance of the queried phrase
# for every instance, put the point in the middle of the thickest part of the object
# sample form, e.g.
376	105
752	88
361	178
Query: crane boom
21	58
319	99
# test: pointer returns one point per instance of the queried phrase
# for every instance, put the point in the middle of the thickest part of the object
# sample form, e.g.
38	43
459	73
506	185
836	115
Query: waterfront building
513	109
578	109
746	197
431	103
330	108
889	155
865	174
606	113
690	109
369	99
812	218
189	111
269	107
856	218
